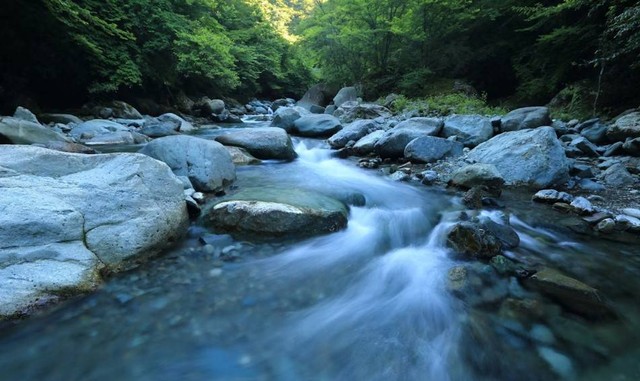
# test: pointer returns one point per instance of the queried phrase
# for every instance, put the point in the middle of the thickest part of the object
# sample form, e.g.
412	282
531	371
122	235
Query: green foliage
446	104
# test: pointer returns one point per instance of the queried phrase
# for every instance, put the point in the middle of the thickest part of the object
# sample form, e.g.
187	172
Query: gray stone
394	141
254	213
346	94
158	129
618	176
60	118
25	114
284	117
366	145
429	177
590	185
316	125
96	127
183	125
470	240
594	131
526	157
526	118
428	149
607	225
316	95
633	212
18	131
628	222
241	156
351	111
315	109
585	146
632	147
614	149
68	147
267	143
207	163
477	175
354	131
400	176
97	211
582	206
211	106
560	127
627	126
470	130
551	196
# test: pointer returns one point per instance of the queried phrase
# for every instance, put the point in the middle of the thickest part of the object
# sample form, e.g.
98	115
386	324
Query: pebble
552	196
607	225
400	176
582	206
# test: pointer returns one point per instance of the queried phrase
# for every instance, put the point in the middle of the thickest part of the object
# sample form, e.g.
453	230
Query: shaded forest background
579	54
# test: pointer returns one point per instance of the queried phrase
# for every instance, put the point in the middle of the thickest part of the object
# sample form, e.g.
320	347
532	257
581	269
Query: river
366	303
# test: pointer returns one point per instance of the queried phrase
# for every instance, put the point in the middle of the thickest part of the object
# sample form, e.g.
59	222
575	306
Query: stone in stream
582	206
100	131
346	94
571	293
353	131
552	196
316	125
19	131
266	213
366	145
207	163
182	124
284	117
98	211
525	118
470	130
428	149
478	175
266	143
627	126
471	241
158	129
526	157
241	156
394	141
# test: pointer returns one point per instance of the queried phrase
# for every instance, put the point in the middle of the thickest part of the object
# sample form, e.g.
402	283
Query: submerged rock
268	213
569	292
471	240
207	163
266	143
97	211
527	157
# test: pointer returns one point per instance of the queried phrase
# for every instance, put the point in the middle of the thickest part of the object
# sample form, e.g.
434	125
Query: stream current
366	303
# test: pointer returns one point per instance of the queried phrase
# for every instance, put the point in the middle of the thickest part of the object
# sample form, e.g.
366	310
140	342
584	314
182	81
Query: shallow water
366	303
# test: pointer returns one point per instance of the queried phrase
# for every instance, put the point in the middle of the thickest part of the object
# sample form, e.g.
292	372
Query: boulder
211	106
470	130
632	147
526	157
428	149
366	145
284	117
183	125
98	211
471	241
158	129
351	111
19	131
346	94
594	130
267	143
60	118
477	175
206	163
552	196
96	127
316	125
25	114
627	126
318	95
353	132
618	176
240	156
525	118
569	292
394	141
585	146
264	213
116	109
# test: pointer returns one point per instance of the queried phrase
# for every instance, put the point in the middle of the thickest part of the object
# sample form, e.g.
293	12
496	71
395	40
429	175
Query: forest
581	54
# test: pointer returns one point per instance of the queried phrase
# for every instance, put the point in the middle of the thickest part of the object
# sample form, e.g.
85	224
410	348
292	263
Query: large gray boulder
346	94
210	106
627	126
351	111
429	149
531	157
394	141
98	211
316	125
367	144
19	131
101	129
206	163
317	95
353	132
25	114
284	117
267	143
183	125
259	213
470	130
526	118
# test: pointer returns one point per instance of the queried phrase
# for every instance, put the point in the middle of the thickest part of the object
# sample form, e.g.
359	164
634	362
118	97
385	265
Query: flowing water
366	303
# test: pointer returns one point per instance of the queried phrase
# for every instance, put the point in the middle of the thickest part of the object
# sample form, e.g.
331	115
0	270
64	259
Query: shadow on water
366	303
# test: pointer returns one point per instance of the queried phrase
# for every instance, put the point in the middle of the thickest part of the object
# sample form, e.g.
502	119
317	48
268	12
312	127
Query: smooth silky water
366	303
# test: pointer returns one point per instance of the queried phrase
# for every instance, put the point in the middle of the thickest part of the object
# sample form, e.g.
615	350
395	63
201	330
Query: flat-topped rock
266	143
